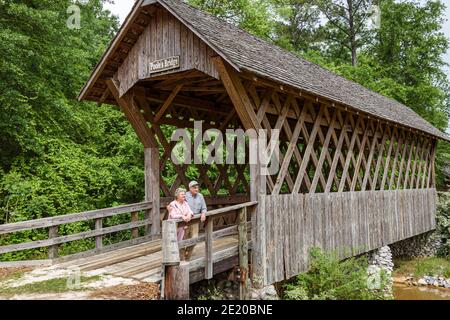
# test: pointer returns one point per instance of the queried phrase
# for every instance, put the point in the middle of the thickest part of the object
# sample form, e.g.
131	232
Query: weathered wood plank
72	237
70	218
209	248
170	250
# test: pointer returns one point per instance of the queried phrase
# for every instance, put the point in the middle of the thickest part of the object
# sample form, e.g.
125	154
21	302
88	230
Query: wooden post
135	231
243	253
176	282
152	189
53	250
209	248
98	239
170	253
258	236
175	277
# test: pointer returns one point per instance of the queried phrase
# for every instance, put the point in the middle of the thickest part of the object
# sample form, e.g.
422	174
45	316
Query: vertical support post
209	248
134	231
258	236
99	239
53	250
175	275
152	194
243	253
176	282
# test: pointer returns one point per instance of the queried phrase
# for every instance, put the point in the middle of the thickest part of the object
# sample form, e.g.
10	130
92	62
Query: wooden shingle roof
246	52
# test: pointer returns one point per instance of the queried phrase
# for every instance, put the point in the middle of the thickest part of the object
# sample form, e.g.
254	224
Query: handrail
52	223
220	211
75	217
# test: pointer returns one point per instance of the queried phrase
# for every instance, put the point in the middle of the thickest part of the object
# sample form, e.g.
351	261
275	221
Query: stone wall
424	245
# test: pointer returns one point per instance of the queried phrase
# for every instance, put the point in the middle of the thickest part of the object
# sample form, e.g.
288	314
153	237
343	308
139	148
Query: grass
58	285
420	267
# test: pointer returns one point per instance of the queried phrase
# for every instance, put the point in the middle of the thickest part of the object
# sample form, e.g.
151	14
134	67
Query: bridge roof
246	52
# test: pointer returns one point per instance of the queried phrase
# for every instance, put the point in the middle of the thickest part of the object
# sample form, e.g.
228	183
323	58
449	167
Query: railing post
209	248
175	275
243	253
135	231
99	239
53	250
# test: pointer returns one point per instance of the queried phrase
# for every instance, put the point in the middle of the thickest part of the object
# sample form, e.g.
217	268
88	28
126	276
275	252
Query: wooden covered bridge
356	168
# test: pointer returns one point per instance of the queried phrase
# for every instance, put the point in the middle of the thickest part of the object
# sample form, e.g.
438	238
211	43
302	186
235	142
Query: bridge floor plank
143	262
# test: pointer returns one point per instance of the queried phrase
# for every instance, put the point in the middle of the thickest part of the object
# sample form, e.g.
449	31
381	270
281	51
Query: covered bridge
356	168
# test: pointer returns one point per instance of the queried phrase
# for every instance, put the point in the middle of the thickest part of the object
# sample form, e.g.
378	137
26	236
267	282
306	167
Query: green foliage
331	279
443	222
420	267
251	15
57	155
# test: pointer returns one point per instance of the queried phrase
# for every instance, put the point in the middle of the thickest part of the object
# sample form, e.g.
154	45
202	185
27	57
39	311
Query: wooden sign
164	64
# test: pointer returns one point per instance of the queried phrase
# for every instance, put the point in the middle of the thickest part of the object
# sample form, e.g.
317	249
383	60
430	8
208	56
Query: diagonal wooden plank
308	151
413	172
238	95
347	143
392	142
381	148
324	152
287	129
349	155
423	164
394	165
133	115
337	154
289	152
356	175
406	144
414	144
322	141
167	103
371	156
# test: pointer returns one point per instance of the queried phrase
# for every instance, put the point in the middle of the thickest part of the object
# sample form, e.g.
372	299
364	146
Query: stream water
404	292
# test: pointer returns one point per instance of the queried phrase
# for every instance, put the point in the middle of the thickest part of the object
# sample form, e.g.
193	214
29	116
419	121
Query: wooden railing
175	280
52	223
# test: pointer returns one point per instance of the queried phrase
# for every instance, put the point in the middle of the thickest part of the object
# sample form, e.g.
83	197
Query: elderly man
198	206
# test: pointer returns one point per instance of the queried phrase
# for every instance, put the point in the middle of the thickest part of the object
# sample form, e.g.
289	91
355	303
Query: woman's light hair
178	191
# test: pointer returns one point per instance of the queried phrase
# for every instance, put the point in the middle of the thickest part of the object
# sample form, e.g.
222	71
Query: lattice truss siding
316	154
329	149
215	179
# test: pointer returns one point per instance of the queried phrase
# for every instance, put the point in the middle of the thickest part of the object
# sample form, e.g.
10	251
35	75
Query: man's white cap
193	184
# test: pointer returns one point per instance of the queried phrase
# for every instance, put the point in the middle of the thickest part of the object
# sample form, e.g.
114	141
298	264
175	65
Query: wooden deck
143	262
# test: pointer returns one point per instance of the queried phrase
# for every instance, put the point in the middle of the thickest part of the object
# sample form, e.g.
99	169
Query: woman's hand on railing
187	218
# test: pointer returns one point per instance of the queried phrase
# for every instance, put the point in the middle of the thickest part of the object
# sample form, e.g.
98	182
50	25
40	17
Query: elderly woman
179	209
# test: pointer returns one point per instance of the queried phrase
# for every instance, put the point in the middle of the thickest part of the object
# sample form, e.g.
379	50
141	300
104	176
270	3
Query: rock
422	282
270	291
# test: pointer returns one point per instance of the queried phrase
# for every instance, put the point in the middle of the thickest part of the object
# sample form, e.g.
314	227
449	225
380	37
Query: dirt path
64	284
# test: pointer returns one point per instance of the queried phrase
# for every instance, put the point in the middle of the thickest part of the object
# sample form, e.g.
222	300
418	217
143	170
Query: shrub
331	279
443	222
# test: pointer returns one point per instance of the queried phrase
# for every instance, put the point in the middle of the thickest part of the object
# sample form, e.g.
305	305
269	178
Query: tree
57	155
298	25
250	15
346	27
